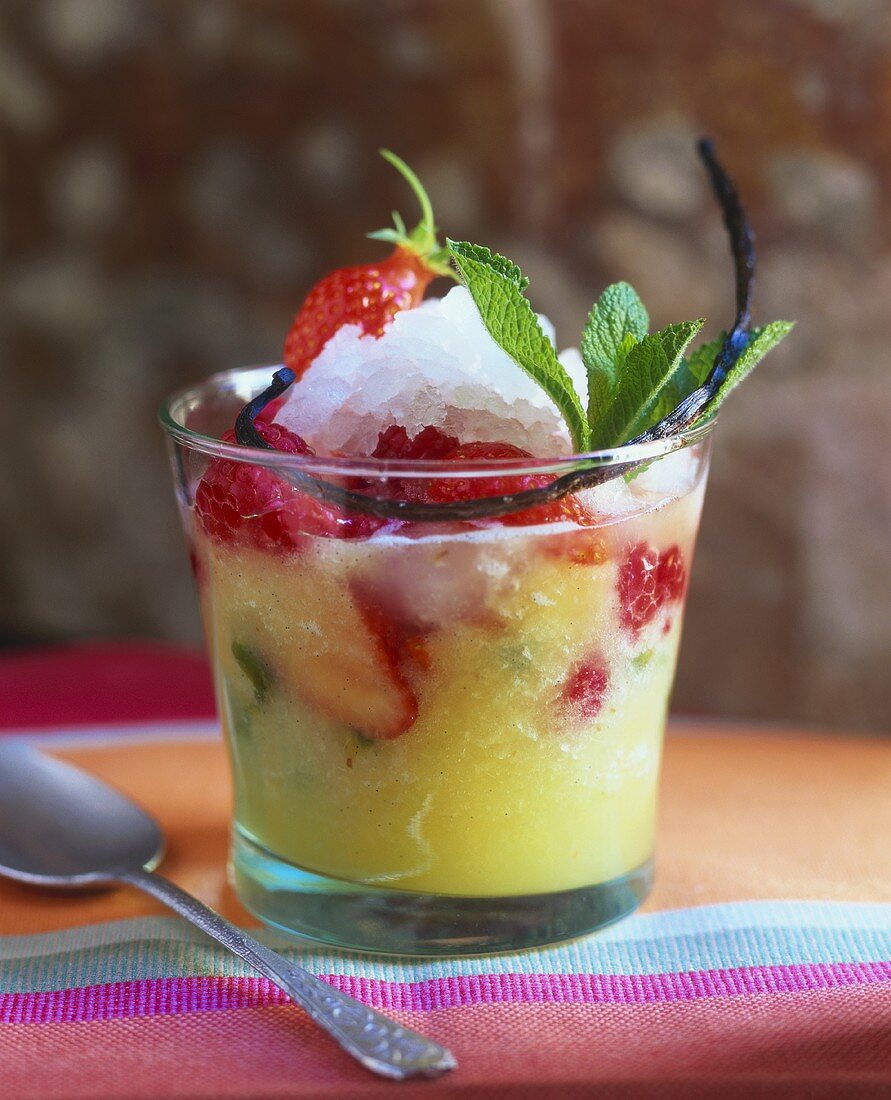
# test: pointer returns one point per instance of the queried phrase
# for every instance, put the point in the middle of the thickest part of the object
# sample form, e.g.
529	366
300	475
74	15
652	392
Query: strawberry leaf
496	286
643	387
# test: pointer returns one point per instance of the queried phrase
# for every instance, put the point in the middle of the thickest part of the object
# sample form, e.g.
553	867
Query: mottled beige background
176	174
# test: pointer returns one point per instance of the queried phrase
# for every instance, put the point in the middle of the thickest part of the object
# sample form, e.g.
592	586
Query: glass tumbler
445	734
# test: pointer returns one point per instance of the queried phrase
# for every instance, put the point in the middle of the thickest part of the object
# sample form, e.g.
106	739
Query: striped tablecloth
761	966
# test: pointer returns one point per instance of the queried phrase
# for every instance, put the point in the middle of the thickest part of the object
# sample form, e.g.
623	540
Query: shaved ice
435	364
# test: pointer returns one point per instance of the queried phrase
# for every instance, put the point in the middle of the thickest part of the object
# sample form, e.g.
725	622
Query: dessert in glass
443	598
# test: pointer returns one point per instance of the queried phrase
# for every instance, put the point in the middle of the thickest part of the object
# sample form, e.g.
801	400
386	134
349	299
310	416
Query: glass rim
369	467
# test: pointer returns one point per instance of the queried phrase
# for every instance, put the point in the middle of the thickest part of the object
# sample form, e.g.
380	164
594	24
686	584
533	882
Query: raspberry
429	443
467	488
282	439
647	581
395	443
253	505
584	691
671	578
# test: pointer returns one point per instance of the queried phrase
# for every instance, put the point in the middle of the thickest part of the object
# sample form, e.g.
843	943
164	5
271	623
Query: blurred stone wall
176	174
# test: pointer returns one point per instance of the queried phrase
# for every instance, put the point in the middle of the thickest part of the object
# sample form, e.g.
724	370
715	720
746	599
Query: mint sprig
496	286
635	378
630	389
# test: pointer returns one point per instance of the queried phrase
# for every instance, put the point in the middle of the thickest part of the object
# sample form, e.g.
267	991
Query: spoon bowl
63	828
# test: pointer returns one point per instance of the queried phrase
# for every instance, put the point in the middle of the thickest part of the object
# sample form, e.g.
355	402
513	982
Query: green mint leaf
496	286
615	324
617	314
702	359
479	254
650	367
255	669
763	340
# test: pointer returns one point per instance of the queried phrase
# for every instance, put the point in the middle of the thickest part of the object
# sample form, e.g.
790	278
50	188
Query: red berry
369	295
395	443
584	690
282	439
430	443
236	501
671	579
475	488
450	489
647	581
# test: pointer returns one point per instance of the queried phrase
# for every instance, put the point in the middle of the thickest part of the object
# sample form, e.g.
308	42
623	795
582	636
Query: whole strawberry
369	295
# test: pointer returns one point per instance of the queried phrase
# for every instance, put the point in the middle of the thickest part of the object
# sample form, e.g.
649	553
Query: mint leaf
616	314
255	668
762	341
478	253
615	324
496	286
649	368
702	359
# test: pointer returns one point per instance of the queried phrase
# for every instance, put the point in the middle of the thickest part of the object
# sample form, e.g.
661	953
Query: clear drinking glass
445	737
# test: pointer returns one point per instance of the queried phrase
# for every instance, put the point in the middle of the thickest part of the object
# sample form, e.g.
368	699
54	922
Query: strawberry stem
422	239
426	224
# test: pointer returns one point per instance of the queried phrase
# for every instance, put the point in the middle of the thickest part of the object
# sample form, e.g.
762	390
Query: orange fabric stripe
744	816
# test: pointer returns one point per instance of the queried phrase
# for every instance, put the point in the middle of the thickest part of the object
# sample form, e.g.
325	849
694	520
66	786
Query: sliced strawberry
585	689
416	649
341	660
647	582
238	502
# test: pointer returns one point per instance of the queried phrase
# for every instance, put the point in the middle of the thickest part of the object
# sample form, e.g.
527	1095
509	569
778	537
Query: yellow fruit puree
503	783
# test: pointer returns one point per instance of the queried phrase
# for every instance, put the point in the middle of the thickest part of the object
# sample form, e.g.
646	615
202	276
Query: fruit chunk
475	488
395	443
647	582
341	659
369	295
238	502
429	443
584	690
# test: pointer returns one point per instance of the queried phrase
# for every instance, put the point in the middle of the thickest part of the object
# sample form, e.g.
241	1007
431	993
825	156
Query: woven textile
105	996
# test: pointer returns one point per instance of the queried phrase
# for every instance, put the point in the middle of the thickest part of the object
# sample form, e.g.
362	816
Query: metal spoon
62	827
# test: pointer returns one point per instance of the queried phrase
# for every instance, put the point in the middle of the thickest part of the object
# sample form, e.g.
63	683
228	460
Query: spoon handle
378	1043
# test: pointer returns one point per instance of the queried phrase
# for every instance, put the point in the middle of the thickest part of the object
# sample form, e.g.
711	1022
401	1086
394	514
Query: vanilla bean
742	245
245	430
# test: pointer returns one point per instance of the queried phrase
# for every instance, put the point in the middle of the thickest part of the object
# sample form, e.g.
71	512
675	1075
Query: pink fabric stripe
171	996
